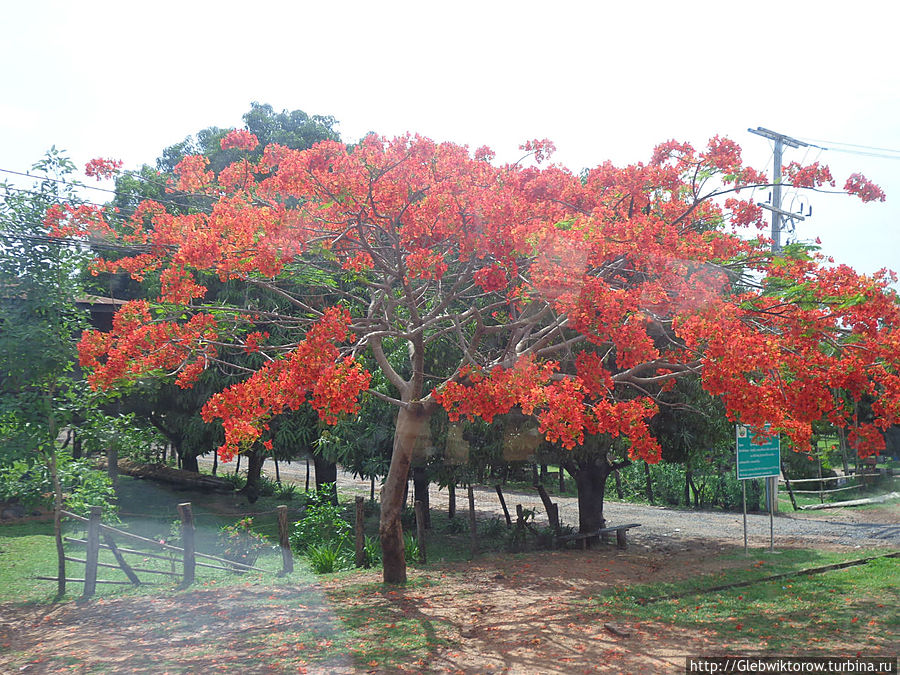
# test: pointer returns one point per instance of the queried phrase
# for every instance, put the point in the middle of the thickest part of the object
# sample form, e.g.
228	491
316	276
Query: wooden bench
583	537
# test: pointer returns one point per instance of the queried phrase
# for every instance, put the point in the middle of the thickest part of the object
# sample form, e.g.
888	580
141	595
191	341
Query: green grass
26	549
147	509
821	612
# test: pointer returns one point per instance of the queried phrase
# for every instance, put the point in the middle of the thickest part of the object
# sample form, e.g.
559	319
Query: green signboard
757	459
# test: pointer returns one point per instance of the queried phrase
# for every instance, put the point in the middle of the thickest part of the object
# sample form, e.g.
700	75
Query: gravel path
666	528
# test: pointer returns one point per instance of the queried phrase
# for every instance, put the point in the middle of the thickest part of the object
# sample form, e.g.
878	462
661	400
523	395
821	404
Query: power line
854	145
76	184
68	241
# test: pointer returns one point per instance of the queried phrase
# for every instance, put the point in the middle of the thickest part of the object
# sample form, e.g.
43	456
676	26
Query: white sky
602	80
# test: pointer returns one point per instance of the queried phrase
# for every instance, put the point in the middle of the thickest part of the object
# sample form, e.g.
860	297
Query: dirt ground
523	615
526	614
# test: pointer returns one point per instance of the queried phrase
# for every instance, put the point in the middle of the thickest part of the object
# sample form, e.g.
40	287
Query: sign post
758	457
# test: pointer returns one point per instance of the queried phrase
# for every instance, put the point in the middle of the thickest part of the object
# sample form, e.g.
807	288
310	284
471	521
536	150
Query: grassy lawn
857	605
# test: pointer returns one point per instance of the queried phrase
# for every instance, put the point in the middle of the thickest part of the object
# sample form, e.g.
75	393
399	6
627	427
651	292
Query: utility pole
778	213
780	141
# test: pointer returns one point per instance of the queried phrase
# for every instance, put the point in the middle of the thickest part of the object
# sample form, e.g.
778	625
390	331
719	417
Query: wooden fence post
473	527
93	551
503	504
520	528
287	559
187	539
359	526
420	529
550	507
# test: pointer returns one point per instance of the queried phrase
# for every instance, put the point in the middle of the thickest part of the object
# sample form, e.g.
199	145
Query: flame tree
578	300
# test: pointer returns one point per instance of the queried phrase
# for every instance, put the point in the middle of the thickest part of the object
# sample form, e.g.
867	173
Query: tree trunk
687	487
420	492
255	460
189	463
648	483
411	423
112	466
451	500
326	474
590	481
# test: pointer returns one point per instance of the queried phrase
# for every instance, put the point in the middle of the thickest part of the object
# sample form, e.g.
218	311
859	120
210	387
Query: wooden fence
854	482
185	554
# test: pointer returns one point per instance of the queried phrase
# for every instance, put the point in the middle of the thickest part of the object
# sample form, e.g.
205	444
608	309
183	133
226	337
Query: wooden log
284	540
852	502
503	504
359	527
166	474
187	539
93	550
132	577
420	530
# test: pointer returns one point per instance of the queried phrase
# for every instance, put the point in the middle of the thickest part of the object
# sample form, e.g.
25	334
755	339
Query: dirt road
667	528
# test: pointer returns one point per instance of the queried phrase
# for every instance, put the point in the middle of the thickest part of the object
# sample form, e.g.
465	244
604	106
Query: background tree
39	324
577	301
174	411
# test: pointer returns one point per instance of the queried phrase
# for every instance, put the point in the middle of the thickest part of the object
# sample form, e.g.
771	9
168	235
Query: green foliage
410	547
237	480
327	557
285	491
668	483
716	487
39	320
238	542
322	523
28	482
495	528
455	525
131	438
267	487
371	552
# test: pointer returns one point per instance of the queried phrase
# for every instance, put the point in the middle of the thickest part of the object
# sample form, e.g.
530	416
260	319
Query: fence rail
185	554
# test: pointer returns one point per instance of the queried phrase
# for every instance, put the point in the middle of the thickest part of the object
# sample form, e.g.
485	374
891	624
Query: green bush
237	480
410	548
239	543
327	557
372	552
668	483
267	487
455	525
285	491
29	483
322	523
